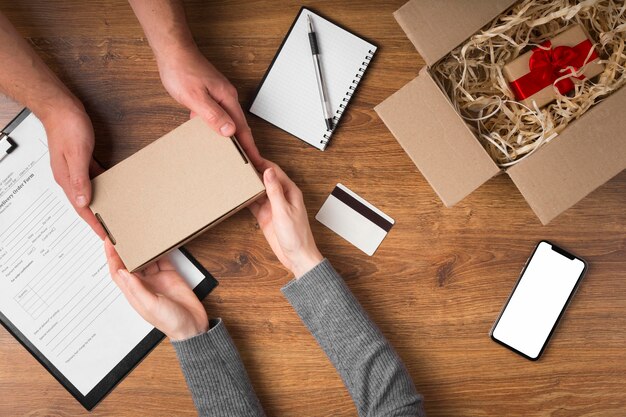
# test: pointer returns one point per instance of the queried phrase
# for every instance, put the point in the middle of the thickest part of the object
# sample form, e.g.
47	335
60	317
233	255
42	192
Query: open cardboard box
173	190
585	155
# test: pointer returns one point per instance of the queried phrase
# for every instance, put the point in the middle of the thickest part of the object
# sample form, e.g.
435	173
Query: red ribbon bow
548	65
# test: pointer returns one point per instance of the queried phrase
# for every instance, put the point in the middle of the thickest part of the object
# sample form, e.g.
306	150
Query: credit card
354	219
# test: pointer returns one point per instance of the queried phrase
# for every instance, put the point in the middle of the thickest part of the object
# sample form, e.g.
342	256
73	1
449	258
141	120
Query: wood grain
434	287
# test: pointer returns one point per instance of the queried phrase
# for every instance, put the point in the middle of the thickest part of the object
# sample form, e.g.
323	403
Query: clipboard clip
7	145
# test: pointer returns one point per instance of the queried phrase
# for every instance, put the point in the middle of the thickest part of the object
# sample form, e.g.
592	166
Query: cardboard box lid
438	141
589	152
436	27
170	190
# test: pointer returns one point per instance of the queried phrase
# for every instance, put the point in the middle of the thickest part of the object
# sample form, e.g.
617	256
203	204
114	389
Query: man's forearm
165	25
27	79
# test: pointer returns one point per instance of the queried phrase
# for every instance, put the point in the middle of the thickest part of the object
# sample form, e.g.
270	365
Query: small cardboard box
585	155
172	190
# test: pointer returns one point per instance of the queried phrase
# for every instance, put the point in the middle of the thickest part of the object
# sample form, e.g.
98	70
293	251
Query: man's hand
187	75
161	296
196	84
71	142
283	219
70	134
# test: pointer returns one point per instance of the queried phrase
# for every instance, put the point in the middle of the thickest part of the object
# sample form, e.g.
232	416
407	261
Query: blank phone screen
537	301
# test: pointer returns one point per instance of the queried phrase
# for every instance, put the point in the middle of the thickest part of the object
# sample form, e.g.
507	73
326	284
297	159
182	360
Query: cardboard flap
588	153
436	27
438	141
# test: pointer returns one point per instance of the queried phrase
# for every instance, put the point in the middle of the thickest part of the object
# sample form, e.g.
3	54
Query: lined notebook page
289	98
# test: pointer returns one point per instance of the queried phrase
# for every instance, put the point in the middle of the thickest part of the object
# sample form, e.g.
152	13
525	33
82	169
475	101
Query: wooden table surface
434	287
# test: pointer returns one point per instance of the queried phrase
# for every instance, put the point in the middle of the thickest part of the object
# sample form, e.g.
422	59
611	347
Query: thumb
214	115
139	297
274	190
78	170
135	291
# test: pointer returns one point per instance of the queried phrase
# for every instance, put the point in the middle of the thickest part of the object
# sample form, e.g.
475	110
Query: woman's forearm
374	374
215	374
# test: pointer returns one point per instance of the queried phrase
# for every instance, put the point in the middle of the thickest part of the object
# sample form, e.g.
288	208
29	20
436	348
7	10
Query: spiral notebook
288	96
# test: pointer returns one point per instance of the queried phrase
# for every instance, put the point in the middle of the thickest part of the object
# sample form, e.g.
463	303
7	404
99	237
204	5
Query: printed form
54	281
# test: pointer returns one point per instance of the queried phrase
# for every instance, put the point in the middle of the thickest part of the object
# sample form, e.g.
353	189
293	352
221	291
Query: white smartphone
545	287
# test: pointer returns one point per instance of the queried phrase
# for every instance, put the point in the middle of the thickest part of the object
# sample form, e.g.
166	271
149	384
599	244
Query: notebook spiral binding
350	92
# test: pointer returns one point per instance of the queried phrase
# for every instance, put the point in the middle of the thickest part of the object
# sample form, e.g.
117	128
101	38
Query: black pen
321	85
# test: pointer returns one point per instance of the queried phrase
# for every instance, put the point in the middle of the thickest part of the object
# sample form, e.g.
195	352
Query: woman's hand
283	218
161	296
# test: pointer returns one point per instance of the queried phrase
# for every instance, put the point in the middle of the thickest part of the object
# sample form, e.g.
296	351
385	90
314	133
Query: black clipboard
131	360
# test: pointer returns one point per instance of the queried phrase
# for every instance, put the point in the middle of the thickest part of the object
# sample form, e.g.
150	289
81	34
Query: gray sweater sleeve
372	371
215	374
374	374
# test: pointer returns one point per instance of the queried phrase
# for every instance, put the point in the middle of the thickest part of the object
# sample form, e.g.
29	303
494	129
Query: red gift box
555	65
